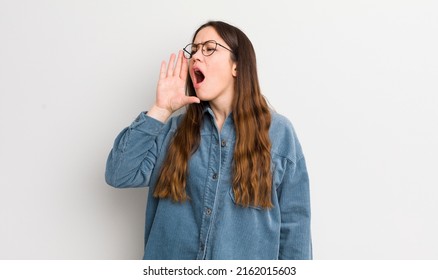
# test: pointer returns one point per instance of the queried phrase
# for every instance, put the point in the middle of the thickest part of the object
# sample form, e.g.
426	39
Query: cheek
223	71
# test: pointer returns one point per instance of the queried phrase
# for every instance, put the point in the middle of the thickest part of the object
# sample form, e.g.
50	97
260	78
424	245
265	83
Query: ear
234	72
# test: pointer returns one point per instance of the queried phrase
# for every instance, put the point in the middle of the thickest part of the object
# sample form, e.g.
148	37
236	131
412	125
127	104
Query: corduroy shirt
210	225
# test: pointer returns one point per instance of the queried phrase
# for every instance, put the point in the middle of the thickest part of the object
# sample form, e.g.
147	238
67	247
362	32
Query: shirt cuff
147	124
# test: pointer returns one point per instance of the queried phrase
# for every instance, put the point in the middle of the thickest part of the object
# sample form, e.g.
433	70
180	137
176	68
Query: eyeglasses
208	48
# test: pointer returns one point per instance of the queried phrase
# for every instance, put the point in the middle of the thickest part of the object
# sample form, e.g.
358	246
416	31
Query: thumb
192	99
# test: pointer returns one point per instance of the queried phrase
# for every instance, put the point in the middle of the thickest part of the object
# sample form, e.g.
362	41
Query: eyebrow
207	41
204	41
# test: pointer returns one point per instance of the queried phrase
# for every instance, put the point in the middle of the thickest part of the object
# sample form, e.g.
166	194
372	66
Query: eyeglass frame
202	48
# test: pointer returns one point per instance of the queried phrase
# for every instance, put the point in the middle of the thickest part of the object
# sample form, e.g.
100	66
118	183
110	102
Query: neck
221	113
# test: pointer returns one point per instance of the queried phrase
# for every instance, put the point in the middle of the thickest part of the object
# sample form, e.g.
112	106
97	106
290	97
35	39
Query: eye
194	49
210	46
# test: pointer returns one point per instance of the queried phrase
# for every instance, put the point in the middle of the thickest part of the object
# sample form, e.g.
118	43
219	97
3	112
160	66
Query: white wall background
357	78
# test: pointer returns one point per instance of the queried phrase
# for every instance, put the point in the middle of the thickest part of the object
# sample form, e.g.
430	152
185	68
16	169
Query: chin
202	96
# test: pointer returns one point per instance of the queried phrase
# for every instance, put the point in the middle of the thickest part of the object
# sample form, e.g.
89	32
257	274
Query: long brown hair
252	178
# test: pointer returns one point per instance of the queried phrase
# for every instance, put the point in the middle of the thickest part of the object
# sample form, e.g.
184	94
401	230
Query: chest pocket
231	193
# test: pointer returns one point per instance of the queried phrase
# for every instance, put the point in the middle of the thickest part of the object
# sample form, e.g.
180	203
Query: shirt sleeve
294	201
134	154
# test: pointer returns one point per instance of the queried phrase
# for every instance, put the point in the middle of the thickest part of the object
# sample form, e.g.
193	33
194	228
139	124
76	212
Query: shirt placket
210	193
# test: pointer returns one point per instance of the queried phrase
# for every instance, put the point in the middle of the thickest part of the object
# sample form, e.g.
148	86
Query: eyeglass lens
207	48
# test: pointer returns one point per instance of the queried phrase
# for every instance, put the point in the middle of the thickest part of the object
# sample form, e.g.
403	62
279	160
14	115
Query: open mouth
199	76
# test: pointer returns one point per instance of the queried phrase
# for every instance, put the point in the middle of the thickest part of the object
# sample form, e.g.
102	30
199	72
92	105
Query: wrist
159	113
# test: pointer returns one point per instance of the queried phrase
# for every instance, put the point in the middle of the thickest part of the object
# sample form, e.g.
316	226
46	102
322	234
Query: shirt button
223	143
214	176
208	211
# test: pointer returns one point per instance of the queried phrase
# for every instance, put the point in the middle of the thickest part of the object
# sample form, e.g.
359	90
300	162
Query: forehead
207	33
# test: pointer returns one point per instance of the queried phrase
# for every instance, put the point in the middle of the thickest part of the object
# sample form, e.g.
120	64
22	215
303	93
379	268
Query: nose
197	55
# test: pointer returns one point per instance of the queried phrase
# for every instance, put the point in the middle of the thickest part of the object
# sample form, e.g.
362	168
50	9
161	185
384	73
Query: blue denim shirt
211	225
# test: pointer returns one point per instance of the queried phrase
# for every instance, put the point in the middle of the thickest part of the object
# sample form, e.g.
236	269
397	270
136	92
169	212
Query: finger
171	65
177	69
163	70
191	99
184	69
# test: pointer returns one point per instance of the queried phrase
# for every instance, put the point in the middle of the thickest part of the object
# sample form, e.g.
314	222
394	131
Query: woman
227	179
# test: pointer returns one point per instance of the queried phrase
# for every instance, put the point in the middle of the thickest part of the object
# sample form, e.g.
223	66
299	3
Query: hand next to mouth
170	95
